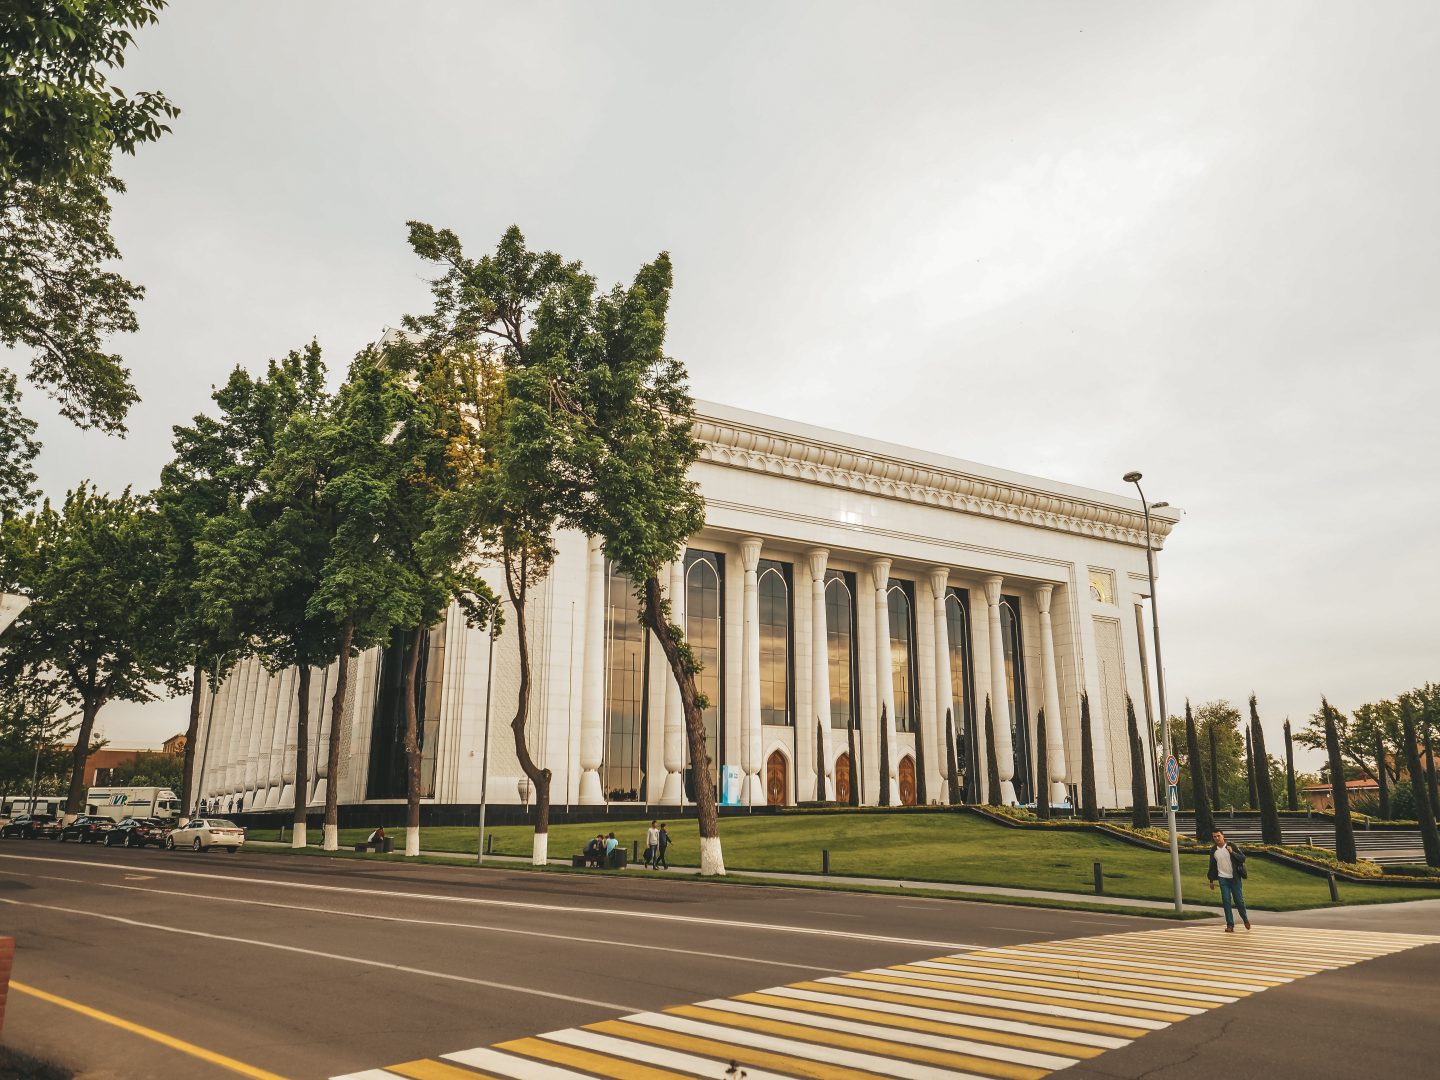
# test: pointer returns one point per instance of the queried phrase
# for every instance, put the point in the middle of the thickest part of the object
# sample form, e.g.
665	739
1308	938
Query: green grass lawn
933	847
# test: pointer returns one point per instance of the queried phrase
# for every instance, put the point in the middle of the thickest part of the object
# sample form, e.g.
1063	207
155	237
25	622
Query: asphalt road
308	968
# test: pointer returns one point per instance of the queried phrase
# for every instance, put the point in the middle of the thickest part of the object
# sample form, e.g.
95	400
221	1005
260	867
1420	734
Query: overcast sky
1070	239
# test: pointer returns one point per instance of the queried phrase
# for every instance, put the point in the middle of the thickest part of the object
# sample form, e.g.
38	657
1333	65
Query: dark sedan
138	832
28	826
86	829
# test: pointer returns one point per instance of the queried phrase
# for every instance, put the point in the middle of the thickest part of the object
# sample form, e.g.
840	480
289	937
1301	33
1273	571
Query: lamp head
1131	477
1159	505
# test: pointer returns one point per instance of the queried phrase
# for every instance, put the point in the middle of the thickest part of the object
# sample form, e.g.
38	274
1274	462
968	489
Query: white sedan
202	834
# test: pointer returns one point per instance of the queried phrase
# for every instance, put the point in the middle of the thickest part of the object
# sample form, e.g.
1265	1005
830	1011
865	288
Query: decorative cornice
765	450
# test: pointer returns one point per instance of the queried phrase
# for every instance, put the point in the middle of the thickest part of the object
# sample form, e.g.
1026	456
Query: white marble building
837	580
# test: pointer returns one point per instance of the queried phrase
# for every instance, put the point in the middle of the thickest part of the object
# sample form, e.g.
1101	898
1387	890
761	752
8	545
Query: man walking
662	842
652	844
1227	866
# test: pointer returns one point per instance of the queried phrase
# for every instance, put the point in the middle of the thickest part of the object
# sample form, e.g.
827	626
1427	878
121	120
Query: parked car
137	832
202	834
28	826
87	829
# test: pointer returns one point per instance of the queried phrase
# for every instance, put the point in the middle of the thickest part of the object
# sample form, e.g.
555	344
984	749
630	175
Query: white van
118	803
15	805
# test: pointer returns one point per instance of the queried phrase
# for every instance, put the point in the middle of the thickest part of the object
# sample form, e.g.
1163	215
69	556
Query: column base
1058	793
673	793
752	791
590	792
1007	793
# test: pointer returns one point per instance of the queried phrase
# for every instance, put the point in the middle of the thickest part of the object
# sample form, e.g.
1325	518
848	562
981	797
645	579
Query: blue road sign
1174	796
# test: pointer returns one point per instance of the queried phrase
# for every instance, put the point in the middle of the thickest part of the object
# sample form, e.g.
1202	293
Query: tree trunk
302	757
1290	771
76	796
655	613
1204	823
518	587
1089	799
1139	796
1382	777
884	757
412	745
332	749
992	766
1424	807
1269	816
951	764
1250	787
1042	770
1430	768
854	764
1214	773
192	735
1340	795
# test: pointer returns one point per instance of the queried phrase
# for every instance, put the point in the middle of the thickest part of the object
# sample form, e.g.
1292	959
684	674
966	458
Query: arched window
622	772
840	632
902	654
957	620
704	615
1015	693
774	589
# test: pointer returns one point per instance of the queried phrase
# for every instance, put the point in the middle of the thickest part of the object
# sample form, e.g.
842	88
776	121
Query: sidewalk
779	877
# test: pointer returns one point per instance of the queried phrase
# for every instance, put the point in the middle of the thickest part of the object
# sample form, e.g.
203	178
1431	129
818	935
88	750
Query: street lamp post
1134	478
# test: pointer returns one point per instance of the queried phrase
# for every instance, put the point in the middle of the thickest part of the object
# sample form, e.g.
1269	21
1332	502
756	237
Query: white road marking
520	1068
1002	1003
1068	993
569	939
548	909
228	938
662	1057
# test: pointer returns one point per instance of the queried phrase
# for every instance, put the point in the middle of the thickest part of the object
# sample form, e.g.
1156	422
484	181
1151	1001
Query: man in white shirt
652	843
1227	868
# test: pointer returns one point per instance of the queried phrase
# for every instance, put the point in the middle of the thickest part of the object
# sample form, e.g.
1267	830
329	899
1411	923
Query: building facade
856	607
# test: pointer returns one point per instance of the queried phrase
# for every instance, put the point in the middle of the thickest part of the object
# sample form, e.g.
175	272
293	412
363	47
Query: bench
617	860
383	847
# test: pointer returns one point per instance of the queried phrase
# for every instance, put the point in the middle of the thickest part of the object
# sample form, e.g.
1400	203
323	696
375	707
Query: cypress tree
1214	768
1424	808
821	795
1269	816
854	765
1204	823
1139	798
992	767
1382	777
1290	769
884	757
1253	802
951	764
1430	768
922	792
1344	831
1089	803
1042	770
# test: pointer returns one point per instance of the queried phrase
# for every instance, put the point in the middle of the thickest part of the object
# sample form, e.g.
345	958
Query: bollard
634	852
1099	880
489	843
1367	824
825	860
1309	841
1334	892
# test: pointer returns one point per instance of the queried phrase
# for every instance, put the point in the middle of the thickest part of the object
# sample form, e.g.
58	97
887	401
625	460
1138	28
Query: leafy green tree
1204	822
1264	786
1355	736
34	725
1340	795
149	770
18	450
1382	779
90	570
1139	796
1424	808
63	121
1089	802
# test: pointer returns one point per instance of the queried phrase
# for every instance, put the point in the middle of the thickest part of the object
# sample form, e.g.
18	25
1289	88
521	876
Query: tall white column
1054	729
885	676
752	790
262	733
944	696
239	746
999	697
285	794
592	684
270	782
673	793
820	673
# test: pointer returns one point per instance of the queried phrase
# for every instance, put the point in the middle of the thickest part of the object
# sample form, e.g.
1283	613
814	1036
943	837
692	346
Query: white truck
118	803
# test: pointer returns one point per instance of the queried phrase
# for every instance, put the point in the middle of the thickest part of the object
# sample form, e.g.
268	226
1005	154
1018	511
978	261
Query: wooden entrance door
842	779
776	787
907	781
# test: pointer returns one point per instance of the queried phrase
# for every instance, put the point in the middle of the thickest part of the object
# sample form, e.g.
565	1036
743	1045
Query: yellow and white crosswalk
1019	1012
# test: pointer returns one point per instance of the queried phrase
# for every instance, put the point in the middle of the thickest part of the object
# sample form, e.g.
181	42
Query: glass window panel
840	632
1015	694
774	596
703	630
902	658
958	630
621	773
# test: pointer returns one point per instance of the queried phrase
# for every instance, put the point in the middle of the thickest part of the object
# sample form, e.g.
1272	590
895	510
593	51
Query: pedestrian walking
652	844
1227	867
662	843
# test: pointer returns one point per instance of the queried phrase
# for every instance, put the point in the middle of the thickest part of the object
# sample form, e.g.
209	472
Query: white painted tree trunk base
712	862
332	838
540	851
298	839
412	843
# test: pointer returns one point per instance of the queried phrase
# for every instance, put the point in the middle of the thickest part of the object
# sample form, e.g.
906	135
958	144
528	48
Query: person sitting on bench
595	851
377	837
610	844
